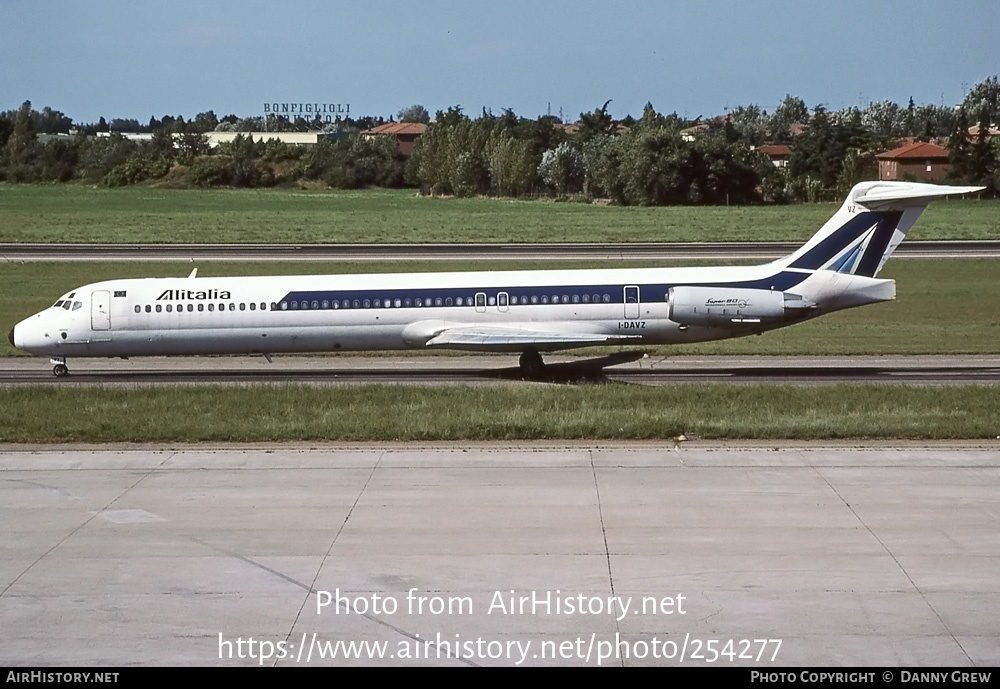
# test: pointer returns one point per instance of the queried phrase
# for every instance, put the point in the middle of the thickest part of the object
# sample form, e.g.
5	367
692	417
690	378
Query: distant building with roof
919	160
131	136
990	133
689	134
292	138
778	154
798	129
406	134
572	129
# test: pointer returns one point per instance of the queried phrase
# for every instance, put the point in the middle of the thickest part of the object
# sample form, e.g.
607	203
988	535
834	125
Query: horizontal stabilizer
874	219
884	195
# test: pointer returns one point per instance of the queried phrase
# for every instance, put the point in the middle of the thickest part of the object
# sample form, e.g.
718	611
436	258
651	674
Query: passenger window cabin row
406	303
211	306
425	302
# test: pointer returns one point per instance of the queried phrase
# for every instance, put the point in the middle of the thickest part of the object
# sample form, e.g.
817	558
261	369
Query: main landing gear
531	363
59	368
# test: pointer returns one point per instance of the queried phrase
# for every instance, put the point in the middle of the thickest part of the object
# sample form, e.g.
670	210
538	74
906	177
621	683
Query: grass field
388	413
78	214
942	306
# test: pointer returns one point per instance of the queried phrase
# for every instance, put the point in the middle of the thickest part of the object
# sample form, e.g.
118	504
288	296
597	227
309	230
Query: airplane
529	312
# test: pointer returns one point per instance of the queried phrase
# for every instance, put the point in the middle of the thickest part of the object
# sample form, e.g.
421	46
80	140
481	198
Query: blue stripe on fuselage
565	293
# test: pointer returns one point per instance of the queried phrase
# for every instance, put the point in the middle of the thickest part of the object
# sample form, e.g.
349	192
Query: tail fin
874	219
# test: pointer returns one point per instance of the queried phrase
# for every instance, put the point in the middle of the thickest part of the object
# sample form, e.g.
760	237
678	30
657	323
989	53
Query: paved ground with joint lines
808	554
501	369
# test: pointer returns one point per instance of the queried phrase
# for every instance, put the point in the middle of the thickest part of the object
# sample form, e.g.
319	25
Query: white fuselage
558	309
526	311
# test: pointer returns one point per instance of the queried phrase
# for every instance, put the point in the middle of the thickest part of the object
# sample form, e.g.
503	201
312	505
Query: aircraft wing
491	337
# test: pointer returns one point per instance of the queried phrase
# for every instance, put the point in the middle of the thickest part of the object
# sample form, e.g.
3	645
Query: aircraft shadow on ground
588	371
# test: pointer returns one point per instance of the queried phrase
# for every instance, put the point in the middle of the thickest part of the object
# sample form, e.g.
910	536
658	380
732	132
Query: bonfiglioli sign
328	112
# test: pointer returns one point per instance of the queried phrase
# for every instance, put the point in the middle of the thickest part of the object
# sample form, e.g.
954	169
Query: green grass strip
77	213
50	414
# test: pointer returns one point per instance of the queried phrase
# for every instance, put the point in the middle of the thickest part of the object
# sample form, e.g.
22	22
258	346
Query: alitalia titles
185	294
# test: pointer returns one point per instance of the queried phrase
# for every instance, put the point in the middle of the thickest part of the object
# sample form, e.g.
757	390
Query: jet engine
727	306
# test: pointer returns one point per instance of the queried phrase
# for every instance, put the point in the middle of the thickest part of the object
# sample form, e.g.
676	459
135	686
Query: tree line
655	159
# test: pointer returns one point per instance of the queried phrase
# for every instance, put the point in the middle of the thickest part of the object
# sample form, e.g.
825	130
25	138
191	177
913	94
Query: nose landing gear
59	368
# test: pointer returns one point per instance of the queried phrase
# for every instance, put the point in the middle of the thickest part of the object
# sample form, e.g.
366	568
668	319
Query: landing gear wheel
60	370
531	363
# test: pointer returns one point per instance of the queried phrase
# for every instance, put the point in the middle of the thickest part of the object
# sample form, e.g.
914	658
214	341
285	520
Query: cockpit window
57	304
77	304
67	304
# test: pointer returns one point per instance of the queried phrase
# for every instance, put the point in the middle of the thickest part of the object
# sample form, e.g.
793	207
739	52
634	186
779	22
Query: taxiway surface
486	369
812	554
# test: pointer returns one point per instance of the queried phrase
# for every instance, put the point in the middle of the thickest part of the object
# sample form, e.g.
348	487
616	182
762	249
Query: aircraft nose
29	336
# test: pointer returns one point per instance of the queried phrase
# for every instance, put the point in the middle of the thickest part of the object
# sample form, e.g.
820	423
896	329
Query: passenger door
632	301
100	310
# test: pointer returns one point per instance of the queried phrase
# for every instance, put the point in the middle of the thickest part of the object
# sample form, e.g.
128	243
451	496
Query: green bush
210	172
134	170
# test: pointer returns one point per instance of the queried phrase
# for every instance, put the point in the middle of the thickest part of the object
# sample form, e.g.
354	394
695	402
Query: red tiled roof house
919	160
777	153
406	133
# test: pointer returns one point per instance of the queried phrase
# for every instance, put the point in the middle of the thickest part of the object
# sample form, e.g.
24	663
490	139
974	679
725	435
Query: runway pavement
479	369
769	555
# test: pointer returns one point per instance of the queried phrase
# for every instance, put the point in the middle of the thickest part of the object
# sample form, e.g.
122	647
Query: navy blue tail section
856	247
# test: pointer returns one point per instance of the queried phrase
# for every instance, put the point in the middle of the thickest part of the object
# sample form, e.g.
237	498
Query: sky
136	59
